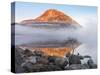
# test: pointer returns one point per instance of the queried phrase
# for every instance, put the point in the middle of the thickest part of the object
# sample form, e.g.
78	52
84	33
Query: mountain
51	16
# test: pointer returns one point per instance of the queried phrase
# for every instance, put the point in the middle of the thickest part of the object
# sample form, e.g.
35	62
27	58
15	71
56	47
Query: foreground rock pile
28	61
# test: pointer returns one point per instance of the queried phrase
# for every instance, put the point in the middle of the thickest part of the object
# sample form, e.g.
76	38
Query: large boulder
91	64
75	59
61	62
58	61
27	53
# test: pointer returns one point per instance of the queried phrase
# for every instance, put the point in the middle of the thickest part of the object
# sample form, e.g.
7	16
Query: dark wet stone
75	59
28	67
76	67
27	53
42	60
61	62
91	64
51	59
86	65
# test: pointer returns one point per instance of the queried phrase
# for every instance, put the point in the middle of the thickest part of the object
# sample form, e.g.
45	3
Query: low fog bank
87	35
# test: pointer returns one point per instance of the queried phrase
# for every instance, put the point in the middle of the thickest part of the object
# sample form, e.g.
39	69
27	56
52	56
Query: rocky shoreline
29	61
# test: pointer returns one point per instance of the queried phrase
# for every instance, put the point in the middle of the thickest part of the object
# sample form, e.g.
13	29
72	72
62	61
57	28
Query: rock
91	64
27	53
38	67
32	59
76	67
75	59
61	62
43	67
51	59
28	67
18	61
52	67
42	60
28	61
58	61
86	65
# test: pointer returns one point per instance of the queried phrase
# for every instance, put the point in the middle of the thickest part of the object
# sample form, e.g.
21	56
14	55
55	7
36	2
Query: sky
29	10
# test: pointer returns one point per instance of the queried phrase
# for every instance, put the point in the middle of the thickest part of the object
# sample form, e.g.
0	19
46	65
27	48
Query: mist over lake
28	34
86	35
